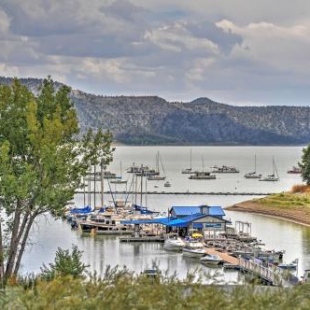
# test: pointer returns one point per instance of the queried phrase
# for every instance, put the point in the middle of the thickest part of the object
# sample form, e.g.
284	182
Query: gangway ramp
271	274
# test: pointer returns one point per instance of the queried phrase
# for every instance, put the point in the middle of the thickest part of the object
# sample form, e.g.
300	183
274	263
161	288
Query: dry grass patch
300	188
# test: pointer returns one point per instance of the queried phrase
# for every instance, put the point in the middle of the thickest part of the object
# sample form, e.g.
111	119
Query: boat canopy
86	209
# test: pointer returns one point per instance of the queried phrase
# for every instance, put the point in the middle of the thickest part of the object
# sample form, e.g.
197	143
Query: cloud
234	51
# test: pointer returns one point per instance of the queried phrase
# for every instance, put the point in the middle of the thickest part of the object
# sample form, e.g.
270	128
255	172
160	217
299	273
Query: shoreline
293	215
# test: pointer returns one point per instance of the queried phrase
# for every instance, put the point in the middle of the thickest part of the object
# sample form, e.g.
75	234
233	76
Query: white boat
253	174
289	266
141	171
190	169
211	260
107	223
174	243
98	175
202	175
167	184
119	180
294	170
194	249
224	169
159	168
271	177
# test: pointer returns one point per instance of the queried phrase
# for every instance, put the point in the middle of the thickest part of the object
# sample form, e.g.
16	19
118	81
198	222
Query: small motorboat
174	243
167	184
211	260
289	266
295	170
194	249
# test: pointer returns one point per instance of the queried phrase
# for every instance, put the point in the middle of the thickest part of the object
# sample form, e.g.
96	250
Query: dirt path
294	215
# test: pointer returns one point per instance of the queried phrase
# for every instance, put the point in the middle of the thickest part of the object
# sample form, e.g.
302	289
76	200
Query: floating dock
226	258
142	239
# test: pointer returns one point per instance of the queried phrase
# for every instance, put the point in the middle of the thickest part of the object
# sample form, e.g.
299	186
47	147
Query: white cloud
231	50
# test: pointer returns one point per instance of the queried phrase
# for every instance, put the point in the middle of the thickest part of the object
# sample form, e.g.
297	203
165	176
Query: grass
297	198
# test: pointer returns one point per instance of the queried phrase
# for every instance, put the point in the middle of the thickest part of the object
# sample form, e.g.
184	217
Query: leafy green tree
42	162
65	264
305	164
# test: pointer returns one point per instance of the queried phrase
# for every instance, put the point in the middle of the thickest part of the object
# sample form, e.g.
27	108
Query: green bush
121	289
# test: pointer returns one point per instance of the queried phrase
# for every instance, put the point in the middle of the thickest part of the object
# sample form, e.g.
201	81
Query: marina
200	233
100	250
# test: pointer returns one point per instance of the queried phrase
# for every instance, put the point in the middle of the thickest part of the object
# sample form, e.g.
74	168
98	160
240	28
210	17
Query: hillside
149	120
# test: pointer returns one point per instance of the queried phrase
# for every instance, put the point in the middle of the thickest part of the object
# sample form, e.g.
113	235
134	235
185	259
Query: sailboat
253	174
272	177
156	176
189	170
119	180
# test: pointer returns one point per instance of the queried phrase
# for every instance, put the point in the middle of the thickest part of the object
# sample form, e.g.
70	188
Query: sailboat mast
157	162
102	182
95	186
142	172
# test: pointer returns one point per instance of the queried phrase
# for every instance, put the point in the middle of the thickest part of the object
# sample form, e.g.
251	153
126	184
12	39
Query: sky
237	52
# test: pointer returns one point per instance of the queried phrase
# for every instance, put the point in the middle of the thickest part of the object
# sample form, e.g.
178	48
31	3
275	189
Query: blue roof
189	210
168	221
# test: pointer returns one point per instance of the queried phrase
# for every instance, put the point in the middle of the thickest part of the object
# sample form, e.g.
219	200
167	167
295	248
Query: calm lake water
101	251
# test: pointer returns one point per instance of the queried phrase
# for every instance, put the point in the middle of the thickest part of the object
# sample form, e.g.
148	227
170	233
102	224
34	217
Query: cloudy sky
238	52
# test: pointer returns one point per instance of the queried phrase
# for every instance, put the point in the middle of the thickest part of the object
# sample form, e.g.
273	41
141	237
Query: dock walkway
228	259
272	274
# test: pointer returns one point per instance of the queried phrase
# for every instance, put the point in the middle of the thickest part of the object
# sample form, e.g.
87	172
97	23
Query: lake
101	251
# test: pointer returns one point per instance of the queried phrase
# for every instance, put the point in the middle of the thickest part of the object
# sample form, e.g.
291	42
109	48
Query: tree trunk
23	243
1	257
17	233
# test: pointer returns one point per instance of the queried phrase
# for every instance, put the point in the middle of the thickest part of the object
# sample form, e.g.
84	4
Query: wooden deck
224	256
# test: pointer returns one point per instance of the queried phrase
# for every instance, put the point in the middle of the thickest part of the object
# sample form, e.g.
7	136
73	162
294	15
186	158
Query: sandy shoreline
293	215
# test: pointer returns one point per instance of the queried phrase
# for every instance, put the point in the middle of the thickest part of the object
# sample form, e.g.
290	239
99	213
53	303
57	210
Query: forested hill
147	120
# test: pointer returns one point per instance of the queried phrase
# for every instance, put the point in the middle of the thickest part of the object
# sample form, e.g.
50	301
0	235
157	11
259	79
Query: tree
65	264
305	164
42	162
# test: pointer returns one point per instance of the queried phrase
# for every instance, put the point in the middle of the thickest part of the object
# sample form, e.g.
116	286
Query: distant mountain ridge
151	120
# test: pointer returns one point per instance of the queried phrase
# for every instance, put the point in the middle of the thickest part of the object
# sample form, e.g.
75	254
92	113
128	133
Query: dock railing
273	274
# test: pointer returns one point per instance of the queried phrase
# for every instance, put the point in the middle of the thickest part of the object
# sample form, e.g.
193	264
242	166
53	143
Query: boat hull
193	253
211	260
104	229
174	245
